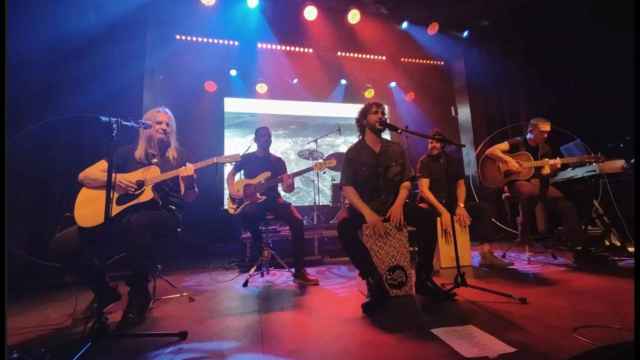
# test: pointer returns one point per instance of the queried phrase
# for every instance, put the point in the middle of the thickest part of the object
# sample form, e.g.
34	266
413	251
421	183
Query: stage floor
273	318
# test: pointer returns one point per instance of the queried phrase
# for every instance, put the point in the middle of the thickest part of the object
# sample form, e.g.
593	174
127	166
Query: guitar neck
169	174
544	162
277	180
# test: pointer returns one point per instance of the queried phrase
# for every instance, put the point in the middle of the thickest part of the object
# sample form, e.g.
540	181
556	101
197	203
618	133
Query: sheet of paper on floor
471	342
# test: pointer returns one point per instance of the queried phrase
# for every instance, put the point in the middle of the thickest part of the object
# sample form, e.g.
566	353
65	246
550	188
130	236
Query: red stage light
210	86
410	96
433	28
353	16
310	12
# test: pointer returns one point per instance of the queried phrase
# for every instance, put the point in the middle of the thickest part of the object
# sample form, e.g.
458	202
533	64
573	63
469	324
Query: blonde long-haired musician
141	226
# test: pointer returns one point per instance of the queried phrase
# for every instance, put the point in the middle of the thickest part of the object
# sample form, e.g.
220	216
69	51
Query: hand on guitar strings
188	175
125	183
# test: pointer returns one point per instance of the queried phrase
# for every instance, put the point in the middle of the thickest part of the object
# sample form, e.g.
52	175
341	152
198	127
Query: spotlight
208	2
252	4
433	28
353	16
465	34
294	81
393	84
343	81
210	86
369	92
262	88
233	72
404	25
310	12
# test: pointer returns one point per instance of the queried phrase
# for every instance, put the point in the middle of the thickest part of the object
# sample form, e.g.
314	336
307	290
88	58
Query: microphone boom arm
400	130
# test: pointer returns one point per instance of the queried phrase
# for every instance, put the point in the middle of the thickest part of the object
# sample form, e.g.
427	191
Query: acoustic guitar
493	174
90	203
247	191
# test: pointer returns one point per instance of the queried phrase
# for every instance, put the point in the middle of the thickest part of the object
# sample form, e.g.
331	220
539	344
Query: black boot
137	306
427	287
377	295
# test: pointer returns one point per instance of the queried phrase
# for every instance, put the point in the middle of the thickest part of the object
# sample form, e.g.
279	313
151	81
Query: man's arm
231	178
461	215
356	201
288	185
396	212
499	152
188	187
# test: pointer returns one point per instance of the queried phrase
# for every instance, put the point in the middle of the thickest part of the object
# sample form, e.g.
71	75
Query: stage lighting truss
207	40
290	48
422	61
362	56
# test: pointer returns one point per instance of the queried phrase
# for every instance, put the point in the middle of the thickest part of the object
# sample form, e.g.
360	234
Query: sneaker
488	259
429	288
136	310
302	277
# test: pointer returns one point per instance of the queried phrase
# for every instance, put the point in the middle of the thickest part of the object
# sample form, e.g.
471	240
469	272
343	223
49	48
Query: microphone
384	122
133	124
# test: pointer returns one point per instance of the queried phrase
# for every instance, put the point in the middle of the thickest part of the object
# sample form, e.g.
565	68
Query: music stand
459	280
100	326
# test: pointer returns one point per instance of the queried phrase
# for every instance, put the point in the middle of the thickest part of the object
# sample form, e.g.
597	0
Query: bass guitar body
246	193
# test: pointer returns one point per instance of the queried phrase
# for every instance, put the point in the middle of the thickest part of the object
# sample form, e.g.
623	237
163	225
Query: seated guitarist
253	164
537	188
142	224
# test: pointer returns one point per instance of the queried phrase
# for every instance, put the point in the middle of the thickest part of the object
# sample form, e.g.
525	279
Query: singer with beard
376	181
138	229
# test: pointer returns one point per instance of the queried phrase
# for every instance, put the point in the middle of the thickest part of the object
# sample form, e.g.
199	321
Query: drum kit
336	196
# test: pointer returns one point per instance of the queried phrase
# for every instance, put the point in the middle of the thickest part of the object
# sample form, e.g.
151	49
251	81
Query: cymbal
309	154
339	158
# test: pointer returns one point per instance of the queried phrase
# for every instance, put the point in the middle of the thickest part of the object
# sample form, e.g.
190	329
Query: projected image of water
290	135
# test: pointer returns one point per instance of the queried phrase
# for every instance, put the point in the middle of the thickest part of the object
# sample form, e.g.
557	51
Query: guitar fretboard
200	164
567	160
277	180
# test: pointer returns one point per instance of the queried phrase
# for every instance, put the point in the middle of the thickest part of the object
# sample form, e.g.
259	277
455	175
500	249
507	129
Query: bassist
537	188
253	164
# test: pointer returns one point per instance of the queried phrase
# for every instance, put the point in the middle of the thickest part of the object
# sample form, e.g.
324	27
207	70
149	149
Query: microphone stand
459	280
100	326
316	188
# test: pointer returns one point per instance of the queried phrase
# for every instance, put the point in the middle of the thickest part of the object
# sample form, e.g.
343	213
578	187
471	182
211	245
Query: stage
273	318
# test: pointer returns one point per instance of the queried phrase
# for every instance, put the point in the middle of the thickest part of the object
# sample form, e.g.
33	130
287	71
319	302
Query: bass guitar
89	207
247	191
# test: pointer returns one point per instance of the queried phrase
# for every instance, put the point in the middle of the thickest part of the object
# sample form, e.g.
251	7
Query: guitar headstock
324	164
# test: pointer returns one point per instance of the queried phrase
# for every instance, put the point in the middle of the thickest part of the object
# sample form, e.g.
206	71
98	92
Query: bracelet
461	205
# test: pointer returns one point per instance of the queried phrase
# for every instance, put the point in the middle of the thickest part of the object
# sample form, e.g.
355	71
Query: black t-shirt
543	151
168	191
376	176
443	171
253	165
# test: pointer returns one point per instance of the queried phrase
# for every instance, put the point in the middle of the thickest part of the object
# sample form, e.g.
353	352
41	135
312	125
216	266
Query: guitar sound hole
124	199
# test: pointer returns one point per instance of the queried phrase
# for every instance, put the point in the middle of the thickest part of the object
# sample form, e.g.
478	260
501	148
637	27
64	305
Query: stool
263	264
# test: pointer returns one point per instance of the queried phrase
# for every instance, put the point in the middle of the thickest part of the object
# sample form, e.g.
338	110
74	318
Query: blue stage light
465	34
253	3
405	24
343	81
233	72
393	84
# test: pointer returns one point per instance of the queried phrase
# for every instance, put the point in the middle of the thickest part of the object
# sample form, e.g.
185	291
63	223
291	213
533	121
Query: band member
537	188
376	182
253	164
442	191
142	225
